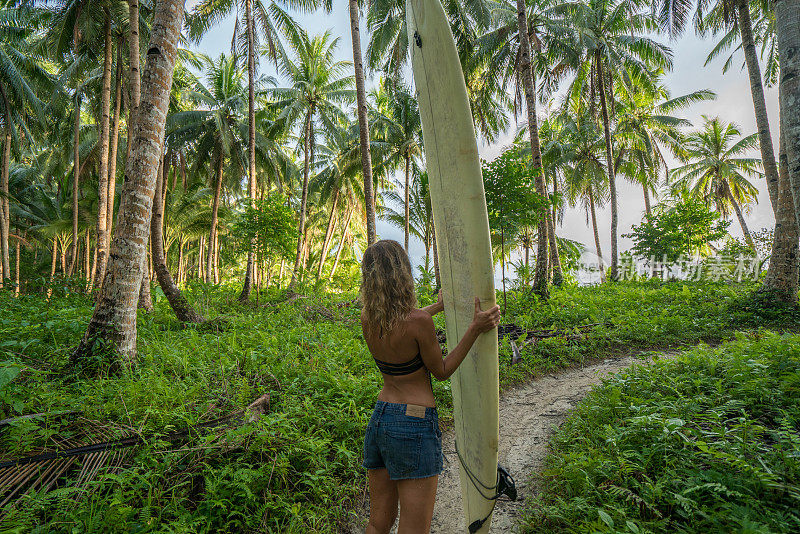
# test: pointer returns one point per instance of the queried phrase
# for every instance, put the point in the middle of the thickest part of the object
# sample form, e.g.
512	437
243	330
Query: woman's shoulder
419	319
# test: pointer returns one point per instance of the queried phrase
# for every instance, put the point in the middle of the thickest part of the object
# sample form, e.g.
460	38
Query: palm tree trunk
745	230
555	257
408	162
5	206
113	323
787	20
759	103
345	233
647	209
53	262
105	132
251	143
363	124
612	186
540	276
214	212
201	273
596	236
16	268
303	199
782	274
112	155
86	269
133	59
75	183
328	234
216	257
183	310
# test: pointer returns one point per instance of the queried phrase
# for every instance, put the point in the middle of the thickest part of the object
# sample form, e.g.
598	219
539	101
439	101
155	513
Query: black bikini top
399	369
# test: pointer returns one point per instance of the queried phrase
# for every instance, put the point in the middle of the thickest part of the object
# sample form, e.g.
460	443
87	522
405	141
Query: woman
402	446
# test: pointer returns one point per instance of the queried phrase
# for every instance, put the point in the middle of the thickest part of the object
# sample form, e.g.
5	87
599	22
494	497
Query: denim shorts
407	446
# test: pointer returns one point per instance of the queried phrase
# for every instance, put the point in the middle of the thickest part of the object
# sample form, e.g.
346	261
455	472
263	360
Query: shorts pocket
401	452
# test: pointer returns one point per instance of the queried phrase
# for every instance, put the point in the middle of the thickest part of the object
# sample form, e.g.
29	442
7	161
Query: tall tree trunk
646	192
760	105
75	182
540	275
782	274
201	272
303	199
787	22
112	155
16	268
251	143
214	212
596	236
328	234
612	185
363	124
555	258
745	230
345	232
86	269
102	187
183	310
53	262
408	163
113	323
5	212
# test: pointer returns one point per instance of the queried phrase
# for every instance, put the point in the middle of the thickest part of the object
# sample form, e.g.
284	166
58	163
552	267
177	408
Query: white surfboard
463	245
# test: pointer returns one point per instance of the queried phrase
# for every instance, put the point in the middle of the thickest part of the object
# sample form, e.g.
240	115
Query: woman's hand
483	321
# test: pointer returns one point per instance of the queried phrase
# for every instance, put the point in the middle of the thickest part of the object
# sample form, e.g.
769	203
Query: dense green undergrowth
296	469
704	442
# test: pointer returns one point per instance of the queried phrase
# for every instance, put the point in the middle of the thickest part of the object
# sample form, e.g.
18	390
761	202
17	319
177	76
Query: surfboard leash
504	485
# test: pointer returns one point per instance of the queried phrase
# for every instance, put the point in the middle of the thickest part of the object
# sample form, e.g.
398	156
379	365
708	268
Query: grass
705	442
296	469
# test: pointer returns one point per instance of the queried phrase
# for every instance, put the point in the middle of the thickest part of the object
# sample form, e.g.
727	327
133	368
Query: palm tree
318	86
787	15
420	213
214	130
113	323
608	34
338	179
731	16
646	128
400	127
584	168
259	21
22	79
716	172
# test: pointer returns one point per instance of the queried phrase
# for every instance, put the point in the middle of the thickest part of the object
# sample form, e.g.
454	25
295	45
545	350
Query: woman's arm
431	352
433	309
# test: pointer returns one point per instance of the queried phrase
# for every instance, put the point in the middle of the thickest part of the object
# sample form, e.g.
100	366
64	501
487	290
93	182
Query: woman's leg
382	501
417	496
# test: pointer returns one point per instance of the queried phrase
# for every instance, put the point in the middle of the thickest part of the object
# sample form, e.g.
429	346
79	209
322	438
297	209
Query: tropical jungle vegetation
180	236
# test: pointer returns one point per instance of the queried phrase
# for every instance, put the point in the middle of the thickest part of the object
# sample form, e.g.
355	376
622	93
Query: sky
733	104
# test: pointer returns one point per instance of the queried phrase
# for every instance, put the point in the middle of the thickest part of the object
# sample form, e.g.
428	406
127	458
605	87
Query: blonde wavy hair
387	286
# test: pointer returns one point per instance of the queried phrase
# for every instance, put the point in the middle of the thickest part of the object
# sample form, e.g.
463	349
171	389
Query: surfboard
463	245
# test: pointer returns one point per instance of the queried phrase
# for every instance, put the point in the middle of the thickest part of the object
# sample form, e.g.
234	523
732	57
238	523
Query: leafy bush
705	442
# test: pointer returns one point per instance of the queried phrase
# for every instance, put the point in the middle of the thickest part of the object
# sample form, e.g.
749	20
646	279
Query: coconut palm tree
400	127
259	22
22	80
609	34
716	172
214	131
731	17
583	161
318	85
113	323
337	182
646	127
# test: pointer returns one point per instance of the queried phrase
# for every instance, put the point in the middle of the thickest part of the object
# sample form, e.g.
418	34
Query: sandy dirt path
529	415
